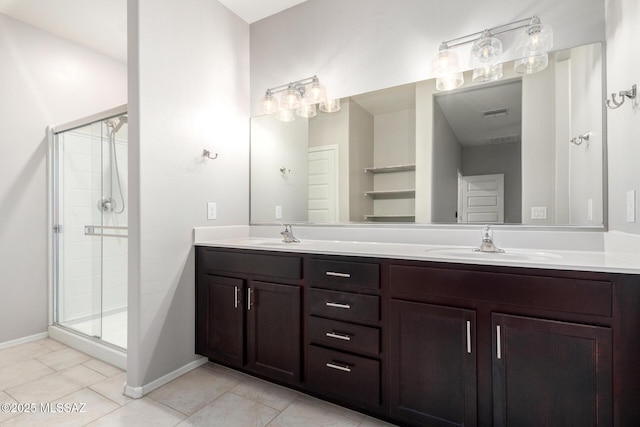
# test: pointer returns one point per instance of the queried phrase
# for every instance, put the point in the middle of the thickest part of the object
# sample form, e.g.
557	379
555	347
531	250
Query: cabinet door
273	330
551	373
221	319
433	364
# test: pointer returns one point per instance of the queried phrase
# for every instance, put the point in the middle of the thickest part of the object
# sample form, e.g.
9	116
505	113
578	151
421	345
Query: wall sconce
303	97
533	45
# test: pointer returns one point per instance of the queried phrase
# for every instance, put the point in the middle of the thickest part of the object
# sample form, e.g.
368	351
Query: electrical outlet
278	212
539	212
590	209
211	211
631	206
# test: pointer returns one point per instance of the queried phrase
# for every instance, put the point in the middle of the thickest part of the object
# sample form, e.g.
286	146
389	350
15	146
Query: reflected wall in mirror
486	153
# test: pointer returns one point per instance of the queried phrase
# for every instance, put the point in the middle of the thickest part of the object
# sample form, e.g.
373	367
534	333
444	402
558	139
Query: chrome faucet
287	234
487	244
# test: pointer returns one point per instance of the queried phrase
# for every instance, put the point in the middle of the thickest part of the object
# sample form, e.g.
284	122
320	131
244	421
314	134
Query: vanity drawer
343	305
568	294
344	336
288	267
349	377
358	274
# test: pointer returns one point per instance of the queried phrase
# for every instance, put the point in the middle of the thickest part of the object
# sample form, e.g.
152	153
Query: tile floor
46	371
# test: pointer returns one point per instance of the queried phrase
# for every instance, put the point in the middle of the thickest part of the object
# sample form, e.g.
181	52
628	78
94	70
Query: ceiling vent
503	139
500	112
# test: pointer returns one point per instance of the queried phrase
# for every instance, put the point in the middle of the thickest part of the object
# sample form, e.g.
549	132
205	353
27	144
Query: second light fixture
532	47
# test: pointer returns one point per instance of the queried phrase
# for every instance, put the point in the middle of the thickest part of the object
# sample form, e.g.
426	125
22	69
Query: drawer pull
498	345
339	367
338	336
235	297
468	336
249	304
336	274
338	305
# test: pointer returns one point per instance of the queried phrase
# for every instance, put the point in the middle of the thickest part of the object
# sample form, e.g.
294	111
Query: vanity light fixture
532	46
303	97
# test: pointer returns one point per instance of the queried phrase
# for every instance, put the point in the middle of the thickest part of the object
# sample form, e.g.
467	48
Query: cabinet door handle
235	297
338	336
249	298
336	274
498	346
339	367
468	336
338	305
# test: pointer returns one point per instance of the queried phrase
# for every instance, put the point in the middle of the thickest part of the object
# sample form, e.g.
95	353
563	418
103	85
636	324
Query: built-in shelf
390	218
390	169
391	194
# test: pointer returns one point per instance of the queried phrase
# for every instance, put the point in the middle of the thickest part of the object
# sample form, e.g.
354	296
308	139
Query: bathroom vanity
423	341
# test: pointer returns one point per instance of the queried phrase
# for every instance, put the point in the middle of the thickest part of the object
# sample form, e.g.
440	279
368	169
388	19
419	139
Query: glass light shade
486	50
315	93
532	46
270	104
330	106
487	73
445	67
290	99
286	115
486	58
307	110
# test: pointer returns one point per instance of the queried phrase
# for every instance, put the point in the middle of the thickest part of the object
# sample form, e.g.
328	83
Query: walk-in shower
89	241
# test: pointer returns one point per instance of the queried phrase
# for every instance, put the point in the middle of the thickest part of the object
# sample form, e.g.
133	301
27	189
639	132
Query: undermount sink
512	255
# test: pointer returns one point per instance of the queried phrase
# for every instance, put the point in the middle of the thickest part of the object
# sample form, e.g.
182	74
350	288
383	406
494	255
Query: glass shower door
90	228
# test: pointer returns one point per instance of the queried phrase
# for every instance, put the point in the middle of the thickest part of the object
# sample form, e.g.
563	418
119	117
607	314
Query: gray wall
360	157
188	81
358	46
44	81
495	159
448	151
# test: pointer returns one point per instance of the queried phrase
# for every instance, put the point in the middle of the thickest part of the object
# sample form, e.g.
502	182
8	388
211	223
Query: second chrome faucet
287	234
487	244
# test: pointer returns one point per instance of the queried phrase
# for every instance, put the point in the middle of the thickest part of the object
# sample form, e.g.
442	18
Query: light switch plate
539	212
211	211
278	212
631	206
590	209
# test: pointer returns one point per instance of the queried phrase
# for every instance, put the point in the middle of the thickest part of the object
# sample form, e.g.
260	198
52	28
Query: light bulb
330	106
269	104
290	98
446	69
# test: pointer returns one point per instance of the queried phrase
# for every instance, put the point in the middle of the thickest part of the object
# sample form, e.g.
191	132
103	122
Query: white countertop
515	257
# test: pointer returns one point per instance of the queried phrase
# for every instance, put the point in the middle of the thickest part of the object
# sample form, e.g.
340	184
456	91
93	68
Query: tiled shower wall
93	268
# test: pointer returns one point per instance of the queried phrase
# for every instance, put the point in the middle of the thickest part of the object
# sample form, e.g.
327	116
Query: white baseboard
138	392
23	340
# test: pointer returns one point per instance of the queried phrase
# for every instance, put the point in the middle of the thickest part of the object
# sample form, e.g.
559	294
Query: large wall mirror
524	150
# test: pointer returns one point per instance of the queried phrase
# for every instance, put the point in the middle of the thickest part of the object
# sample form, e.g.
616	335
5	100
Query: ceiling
101	25
464	111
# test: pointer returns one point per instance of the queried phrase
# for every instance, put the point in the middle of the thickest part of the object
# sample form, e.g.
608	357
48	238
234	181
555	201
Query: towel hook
206	153
613	103
578	140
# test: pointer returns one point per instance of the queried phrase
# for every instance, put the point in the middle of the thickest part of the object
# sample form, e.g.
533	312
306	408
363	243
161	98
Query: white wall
279	144
358	46
623	124
44	80
189	81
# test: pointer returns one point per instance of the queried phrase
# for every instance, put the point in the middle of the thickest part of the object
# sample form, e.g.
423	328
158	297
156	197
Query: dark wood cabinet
273	331
551	373
427	343
248	323
433	364
221	319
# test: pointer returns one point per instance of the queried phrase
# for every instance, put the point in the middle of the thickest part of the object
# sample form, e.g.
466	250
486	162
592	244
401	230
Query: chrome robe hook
613	103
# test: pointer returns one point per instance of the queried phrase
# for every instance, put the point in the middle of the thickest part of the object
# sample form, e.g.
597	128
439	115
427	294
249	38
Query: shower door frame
53	207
